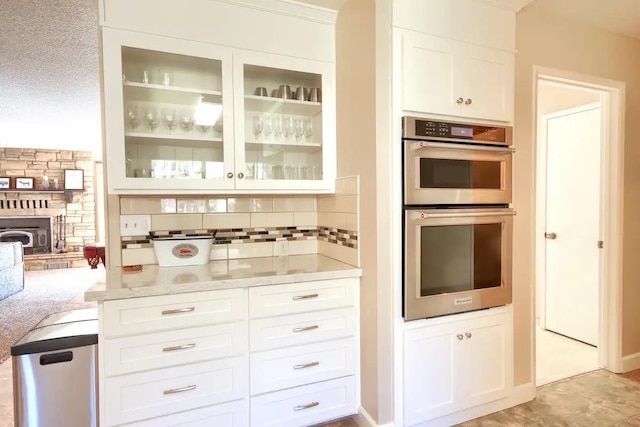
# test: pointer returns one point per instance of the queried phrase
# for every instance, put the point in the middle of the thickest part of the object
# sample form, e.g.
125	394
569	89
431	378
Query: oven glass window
464	174
458	258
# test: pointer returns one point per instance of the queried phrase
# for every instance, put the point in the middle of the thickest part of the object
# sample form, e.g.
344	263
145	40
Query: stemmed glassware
268	126
308	128
203	129
258	125
287	126
132	117
298	127
169	118
186	121
151	118
276	124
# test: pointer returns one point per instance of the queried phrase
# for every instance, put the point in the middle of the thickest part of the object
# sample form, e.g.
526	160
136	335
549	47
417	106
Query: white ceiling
618	16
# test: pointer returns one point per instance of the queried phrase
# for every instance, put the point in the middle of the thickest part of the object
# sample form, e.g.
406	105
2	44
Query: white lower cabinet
290	352
303	406
454	365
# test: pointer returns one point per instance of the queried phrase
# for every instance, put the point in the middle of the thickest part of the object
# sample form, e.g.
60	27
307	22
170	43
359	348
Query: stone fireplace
38	210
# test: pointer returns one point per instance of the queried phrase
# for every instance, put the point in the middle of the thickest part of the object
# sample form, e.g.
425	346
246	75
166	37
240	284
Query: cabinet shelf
174	94
291	146
175	140
267	104
152	87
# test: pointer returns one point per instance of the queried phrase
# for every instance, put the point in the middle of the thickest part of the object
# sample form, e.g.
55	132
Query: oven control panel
416	128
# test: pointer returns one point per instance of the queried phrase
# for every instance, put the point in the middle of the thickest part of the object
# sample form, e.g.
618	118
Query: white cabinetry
448	77
454	365
190	359
187	111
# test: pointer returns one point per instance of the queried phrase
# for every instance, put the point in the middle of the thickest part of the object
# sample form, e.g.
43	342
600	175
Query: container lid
69	316
57	337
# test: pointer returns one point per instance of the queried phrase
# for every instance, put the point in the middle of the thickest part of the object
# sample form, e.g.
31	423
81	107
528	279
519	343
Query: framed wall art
73	179
5	183
23	183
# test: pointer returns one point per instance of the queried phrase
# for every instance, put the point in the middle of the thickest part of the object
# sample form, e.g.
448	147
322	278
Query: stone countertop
227	274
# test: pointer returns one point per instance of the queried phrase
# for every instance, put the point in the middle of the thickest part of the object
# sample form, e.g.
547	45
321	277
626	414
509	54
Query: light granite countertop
228	274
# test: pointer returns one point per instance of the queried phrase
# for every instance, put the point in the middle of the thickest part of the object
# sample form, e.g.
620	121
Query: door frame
612	191
541	204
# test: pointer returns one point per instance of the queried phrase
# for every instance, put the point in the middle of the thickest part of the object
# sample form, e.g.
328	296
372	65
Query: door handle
550	236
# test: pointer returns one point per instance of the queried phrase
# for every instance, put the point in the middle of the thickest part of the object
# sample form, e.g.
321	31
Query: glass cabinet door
169	105
281	128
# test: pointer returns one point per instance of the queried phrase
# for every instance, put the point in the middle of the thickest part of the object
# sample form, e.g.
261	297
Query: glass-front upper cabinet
165	113
284	123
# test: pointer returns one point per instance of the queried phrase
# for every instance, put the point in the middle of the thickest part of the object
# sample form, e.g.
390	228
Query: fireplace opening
35	233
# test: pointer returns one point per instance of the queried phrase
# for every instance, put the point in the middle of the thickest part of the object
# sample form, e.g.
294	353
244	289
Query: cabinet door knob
468	335
468	101
240	175
460	336
459	100
230	175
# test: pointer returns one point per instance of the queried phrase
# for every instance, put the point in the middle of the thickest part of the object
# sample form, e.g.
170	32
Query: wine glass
169	118
298	127
258	125
287	126
268	126
276	125
151	118
186	121
132	117
308	128
203	129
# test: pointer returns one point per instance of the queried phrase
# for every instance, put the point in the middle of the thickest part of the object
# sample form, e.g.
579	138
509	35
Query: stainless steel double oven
458	225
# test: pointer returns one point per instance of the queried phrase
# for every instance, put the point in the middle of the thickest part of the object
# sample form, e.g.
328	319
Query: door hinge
600	244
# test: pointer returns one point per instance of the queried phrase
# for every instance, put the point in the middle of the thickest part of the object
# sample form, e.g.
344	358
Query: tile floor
559	357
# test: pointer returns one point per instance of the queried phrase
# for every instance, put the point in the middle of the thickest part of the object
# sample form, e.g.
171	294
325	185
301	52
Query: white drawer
164	349
153	314
295	366
136	397
305	405
297	329
234	414
276	300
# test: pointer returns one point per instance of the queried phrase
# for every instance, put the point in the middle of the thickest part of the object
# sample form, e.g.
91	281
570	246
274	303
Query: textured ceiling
49	76
618	16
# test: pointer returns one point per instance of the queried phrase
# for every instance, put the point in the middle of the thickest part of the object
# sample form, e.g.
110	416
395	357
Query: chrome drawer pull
178	347
180	390
298	297
178	310
306	328
307	406
306	365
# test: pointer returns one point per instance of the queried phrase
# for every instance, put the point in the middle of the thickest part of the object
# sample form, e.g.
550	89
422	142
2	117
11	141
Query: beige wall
553	98
561	44
355	50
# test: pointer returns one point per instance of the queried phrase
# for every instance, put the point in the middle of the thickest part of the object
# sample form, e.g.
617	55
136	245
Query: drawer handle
306	365
180	390
306	328
307	406
178	310
178	347
298	297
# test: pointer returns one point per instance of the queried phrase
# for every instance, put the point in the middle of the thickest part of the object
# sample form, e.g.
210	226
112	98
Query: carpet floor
45	292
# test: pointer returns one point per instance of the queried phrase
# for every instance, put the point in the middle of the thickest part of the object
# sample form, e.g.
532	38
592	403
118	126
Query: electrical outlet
135	225
282	248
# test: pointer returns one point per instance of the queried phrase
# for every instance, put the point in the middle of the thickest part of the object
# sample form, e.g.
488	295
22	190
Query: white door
573	223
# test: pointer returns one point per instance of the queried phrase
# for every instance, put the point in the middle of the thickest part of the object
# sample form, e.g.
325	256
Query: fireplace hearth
34	232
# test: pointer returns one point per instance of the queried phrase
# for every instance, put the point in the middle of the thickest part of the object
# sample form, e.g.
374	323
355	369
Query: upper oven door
437	173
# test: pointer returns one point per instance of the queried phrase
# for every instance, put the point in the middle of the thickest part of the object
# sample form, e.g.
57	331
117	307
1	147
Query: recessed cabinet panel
430	80
489	84
431	363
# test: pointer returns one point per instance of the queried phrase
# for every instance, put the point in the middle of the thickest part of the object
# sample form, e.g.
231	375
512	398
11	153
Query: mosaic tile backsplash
338	236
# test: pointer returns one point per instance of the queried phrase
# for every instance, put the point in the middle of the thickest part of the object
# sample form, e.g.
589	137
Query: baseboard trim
364	419
631	362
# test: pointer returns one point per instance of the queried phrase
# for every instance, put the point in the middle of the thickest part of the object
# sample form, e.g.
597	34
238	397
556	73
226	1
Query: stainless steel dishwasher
55	376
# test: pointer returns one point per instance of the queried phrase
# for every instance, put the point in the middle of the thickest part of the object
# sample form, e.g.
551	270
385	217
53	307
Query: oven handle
417	146
468	214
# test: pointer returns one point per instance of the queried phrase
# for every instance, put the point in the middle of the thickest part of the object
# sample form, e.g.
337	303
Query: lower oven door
456	260
456	174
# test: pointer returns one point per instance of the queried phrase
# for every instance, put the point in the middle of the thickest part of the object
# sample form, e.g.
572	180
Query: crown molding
310	11
514	5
